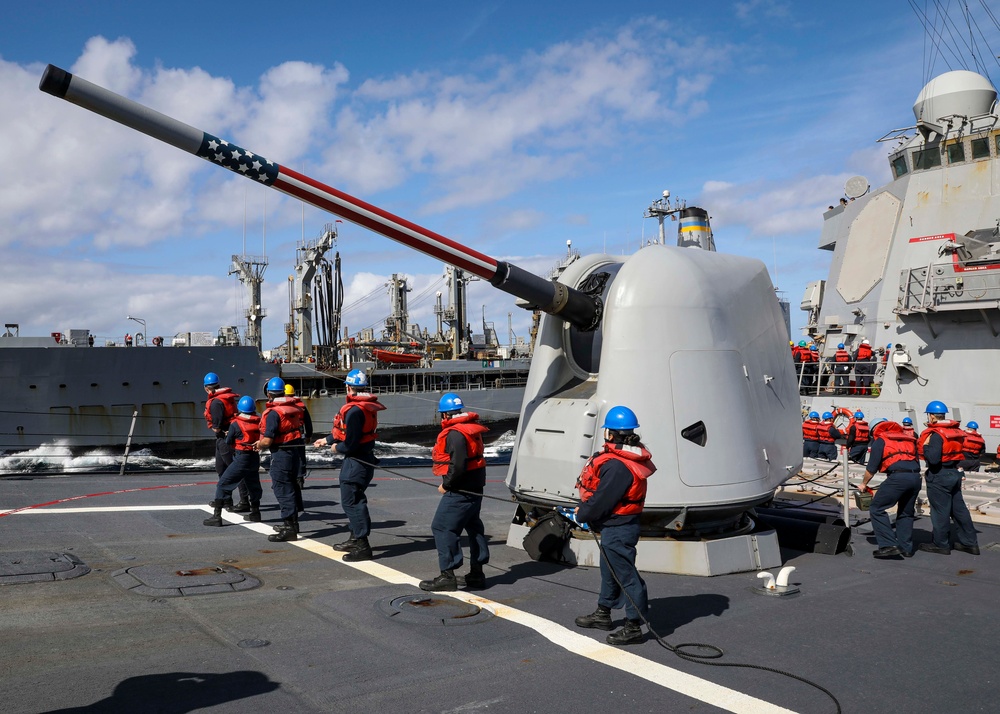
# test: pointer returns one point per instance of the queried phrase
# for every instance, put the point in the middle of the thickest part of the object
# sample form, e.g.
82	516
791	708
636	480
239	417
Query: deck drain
182	580
39	566
426	609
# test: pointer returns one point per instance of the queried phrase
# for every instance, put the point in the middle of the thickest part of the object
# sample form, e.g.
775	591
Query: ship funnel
694	229
580	309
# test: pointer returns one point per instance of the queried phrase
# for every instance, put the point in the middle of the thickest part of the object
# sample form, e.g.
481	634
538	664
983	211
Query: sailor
940	445
973	447
243	435
281	432
810	435
908	427
128	340
810	371
307	425
827	435
612	491
353	436
864	367
857	438
220	409
841	369
458	458
894	453
800	356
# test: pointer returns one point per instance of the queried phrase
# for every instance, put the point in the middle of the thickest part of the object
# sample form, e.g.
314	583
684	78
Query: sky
511	127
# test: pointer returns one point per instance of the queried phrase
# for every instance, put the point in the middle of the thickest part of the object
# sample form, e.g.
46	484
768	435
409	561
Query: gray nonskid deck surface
916	635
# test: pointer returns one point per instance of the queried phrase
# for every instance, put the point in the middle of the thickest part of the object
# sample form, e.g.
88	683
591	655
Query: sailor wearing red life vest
612	492
894	453
864	367
220	409
841	369
827	434
281	427
908	427
941	445
858	436
458	458
810	435
243	435
973	447
307	428
353	437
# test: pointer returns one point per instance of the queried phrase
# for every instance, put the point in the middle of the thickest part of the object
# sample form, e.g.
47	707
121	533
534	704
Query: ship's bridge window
926	158
956	153
980	149
899	167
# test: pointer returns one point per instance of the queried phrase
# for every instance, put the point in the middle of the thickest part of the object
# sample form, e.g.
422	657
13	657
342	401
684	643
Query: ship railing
819	378
939	287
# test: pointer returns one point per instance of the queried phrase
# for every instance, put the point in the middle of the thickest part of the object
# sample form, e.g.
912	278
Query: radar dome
959	92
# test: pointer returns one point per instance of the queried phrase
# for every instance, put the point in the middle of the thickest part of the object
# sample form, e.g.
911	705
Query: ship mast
308	257
251	269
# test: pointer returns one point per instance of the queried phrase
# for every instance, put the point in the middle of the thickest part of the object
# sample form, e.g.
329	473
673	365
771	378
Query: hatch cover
185	579
39	566
426	609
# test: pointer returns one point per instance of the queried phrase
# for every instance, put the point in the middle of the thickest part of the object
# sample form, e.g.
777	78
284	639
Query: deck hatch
39	566
185	579
426	609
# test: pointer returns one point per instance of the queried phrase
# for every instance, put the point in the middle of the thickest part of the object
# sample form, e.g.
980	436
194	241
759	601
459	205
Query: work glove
569	514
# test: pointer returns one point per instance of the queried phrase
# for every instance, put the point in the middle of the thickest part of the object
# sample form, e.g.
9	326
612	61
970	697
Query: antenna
775	250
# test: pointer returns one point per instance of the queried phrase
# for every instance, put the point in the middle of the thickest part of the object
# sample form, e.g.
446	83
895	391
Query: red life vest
228	399
636	459
370	405
952	440
290	415
899	446
823	432
861	431
864	351
974	445
468	425
811	356
841	356
910	430
250	426
810	430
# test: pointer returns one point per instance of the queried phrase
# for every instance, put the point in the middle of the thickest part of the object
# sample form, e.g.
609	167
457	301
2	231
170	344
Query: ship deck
321	635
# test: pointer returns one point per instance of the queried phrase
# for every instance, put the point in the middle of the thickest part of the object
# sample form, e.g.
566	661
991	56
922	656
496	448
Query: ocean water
56	459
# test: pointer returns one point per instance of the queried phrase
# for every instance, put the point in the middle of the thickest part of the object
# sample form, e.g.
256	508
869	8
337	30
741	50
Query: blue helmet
827	415
814	415
936	407
211	379
620	418
973	425
889	346
907	421
356	378
276	385
859	415
840	346
246	405
450	402
813	348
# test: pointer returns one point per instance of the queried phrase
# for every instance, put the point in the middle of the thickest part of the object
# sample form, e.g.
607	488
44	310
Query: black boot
216	519
227	503
347	546
254	515
599	619
285	532
241	507
631	634
361	551
445	582
475	580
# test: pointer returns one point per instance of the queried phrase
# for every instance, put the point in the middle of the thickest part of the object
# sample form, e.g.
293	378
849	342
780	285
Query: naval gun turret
692	340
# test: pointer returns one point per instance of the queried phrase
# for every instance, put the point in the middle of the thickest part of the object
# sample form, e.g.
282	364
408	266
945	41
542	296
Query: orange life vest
250	426
638	462
810	430
899	446
370	406
952	440
228	399
910	430
841	356
861	431
974	445
468	425
291	418
864	351
823	432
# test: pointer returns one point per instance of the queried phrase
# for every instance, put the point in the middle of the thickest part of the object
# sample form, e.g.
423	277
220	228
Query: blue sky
509	126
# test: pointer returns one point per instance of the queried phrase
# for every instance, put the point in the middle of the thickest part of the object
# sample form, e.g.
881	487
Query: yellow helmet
289	390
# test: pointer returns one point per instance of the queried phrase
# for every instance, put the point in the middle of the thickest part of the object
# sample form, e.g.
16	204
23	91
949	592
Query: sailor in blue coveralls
894	452
459	459
281	427
612	492
243	435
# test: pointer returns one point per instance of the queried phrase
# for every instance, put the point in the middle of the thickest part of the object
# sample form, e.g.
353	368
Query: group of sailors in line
814	372
896	449
612	486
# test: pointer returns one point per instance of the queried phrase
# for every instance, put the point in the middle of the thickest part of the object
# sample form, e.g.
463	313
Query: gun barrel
572	305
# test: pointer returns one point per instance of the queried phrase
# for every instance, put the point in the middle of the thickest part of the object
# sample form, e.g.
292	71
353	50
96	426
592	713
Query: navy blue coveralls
900	489
856	450
244	468
619	536
223	447
354	475
459	512
944	492
284	467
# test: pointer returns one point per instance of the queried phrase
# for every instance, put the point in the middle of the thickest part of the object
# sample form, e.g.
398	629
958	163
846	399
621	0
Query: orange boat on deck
395	357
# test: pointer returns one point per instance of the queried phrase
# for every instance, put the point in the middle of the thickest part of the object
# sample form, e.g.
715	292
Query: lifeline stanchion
128	442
